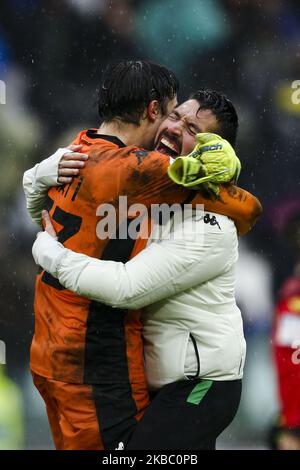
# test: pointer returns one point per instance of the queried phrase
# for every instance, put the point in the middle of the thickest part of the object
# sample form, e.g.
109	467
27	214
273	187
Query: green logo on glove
207	148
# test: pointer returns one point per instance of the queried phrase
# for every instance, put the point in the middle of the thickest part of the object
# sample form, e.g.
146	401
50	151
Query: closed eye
192	128
174	116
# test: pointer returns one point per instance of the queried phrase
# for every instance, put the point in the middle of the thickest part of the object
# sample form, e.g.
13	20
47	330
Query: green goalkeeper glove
212	162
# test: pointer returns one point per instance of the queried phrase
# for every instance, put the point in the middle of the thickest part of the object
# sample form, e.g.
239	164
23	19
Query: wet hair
127	87
223	110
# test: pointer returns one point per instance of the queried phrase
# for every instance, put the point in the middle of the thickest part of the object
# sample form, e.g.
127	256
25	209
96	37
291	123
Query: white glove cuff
47	252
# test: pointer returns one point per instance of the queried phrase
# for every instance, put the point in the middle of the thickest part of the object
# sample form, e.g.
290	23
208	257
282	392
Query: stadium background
51	55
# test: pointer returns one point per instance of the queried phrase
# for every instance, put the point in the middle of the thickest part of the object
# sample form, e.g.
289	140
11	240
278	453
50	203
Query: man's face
177	133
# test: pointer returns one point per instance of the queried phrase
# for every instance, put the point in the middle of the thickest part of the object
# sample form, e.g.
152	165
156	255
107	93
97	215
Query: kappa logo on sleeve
211	220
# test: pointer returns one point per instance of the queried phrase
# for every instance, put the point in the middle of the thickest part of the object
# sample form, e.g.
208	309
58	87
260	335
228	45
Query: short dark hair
223	109
127	87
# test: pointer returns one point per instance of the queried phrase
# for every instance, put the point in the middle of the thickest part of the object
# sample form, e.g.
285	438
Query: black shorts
187	415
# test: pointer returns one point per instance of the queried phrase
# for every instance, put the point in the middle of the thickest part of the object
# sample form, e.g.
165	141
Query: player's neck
129	134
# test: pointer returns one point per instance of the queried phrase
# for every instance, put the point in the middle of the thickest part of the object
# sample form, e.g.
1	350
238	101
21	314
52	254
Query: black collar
92	134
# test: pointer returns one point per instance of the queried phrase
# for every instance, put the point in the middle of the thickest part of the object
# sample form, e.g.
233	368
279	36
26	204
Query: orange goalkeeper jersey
77	340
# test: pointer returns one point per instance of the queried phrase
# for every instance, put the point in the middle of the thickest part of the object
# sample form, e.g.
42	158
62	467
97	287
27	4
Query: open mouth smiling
168	147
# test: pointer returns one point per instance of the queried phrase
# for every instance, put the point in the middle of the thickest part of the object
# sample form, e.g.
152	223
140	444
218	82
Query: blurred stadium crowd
51	57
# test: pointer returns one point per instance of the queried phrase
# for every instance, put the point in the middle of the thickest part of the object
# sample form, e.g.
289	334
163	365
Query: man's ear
153	110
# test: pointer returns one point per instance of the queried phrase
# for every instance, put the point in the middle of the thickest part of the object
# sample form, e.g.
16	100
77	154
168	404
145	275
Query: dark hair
223	109
127	87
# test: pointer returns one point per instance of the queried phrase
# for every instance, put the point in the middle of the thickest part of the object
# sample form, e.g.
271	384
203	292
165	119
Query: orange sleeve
234	202
142	176
151	183
154	187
